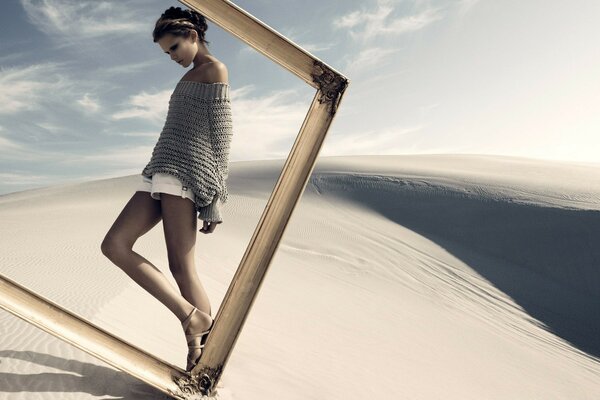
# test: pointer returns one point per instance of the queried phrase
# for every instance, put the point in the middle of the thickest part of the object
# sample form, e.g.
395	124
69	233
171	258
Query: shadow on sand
78	377
550	256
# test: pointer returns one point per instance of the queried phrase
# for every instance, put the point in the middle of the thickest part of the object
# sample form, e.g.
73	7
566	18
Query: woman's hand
209	226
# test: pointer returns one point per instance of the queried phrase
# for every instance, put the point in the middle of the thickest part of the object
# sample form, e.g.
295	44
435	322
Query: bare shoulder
217	72
211	73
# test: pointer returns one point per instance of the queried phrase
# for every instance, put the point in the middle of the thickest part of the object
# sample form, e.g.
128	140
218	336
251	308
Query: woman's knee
140	214
182	267
112	247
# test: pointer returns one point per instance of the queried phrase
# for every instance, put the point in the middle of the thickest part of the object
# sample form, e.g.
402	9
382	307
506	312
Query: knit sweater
194	144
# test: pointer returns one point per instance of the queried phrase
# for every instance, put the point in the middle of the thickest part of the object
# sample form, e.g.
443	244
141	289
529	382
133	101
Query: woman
185	175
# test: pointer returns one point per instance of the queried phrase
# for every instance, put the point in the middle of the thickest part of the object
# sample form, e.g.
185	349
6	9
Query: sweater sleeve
221	131
220	137
211	212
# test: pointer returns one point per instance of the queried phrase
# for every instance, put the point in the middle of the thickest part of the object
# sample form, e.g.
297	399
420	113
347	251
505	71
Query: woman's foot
196	326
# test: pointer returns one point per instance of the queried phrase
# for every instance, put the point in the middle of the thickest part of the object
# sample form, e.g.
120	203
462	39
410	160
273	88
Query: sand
398	277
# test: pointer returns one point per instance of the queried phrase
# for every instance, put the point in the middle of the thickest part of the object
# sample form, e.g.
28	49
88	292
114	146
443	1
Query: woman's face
180	49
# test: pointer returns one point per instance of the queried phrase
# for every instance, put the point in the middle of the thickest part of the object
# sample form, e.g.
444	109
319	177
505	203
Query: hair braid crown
180	22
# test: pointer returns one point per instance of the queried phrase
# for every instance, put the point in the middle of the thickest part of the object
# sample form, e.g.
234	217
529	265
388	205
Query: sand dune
417	277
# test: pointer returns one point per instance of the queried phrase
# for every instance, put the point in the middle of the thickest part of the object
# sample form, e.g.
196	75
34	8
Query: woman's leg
140	215
180	225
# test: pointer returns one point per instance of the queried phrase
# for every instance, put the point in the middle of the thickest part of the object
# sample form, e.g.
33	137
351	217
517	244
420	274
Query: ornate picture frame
330	86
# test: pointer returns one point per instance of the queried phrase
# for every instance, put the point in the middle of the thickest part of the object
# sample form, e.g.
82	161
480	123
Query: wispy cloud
383	141
26	88
126	160
50	127
121	157
367	58
151	134
150	106
464	6
89	104
265	126
315	47
364	25
5	59
15	180
12	150
8	145
81	20
425	110
295	36
125	69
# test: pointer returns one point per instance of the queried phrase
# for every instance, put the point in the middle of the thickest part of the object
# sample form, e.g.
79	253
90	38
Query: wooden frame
330	86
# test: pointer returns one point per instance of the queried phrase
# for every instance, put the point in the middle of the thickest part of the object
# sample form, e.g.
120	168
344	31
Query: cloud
120	70
128	157
265	127
315	47
8	145
424	111
89	104
11	150
383	141
351	20
26	179
364	25
53	128
464	6
150	106
4	59
81	20
110	162
26	88
152	134
292	35
367	58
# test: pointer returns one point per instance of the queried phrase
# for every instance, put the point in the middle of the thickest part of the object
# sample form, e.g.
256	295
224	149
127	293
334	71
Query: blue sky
84	90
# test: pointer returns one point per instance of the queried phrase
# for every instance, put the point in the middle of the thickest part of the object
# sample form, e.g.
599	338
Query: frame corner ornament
198	386
331	85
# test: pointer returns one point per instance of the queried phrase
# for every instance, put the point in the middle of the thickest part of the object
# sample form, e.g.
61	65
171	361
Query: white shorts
164	183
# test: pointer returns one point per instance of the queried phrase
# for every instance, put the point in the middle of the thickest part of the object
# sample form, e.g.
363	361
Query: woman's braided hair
180	22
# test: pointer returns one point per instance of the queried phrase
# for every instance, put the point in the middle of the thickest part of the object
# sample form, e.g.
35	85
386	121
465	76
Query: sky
84	90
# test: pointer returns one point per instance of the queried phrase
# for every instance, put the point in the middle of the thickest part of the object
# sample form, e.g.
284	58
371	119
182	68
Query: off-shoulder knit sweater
194	144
